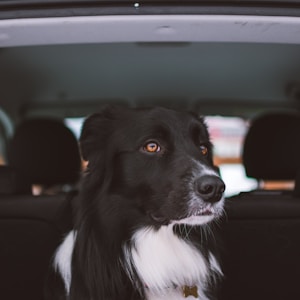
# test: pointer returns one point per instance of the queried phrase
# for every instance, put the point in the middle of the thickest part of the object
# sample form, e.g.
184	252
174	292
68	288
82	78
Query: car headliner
227	64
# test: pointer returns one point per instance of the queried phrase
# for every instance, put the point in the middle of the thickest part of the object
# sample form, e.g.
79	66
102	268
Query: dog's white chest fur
165	264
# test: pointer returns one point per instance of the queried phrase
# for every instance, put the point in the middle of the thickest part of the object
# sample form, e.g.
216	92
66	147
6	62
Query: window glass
75	125
227	135
6	131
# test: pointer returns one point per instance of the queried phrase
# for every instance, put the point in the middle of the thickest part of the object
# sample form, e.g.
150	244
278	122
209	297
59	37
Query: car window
227	135
6	131
75	125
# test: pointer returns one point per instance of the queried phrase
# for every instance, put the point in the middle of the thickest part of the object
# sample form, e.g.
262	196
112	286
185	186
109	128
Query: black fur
126	188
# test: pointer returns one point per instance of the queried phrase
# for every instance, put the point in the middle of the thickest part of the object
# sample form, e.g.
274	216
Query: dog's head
154	162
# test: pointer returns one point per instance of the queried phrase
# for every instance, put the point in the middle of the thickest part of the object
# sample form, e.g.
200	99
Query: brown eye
204	150
151	147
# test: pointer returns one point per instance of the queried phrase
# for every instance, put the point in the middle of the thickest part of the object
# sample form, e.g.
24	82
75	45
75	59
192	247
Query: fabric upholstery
12	183
45	151
272	147
261	232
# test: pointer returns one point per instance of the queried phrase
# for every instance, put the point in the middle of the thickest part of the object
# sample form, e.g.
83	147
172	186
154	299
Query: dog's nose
210	188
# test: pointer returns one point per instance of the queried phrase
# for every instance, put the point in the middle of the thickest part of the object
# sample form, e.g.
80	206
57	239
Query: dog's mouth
198	216
205	211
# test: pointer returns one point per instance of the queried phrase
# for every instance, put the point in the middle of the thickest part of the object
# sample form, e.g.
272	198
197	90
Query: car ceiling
236	74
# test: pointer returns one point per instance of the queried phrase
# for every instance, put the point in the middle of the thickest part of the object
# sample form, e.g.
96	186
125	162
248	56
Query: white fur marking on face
204	170
63	258
165	263
194	220
195	201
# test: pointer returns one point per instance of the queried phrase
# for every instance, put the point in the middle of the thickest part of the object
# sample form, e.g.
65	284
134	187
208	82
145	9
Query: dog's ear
96	130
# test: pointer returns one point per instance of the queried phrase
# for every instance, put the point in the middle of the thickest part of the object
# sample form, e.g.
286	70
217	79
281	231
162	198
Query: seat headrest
12	183
45	151
272	147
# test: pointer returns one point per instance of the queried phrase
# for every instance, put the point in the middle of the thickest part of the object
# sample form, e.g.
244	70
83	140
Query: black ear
96	130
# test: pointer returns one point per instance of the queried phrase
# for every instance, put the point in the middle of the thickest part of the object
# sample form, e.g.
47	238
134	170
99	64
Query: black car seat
262	231
12	182
31	227
46	152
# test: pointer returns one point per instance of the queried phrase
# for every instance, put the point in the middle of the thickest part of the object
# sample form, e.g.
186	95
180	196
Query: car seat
261	233
272	147
43	152
46	152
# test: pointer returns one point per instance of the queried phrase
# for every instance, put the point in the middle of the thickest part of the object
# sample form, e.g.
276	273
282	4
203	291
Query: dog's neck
167	265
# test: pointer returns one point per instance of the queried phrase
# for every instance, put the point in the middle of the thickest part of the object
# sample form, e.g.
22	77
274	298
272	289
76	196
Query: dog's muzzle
209	188
206	201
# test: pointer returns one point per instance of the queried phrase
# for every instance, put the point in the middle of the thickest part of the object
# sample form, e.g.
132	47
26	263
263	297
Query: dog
145	210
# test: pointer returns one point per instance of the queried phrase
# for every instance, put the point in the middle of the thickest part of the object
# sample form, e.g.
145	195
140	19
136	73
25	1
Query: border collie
144	212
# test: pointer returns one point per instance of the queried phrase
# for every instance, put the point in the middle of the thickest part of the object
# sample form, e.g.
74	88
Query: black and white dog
147	201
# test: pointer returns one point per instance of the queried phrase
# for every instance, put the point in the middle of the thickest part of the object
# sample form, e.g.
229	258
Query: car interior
235	61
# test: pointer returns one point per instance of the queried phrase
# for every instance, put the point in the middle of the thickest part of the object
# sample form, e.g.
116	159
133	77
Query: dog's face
156	162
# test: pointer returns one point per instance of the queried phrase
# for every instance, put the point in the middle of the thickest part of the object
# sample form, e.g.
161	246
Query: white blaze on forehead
200	169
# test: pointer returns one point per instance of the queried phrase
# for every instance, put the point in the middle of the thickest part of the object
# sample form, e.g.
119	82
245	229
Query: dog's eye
152	147
203	149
